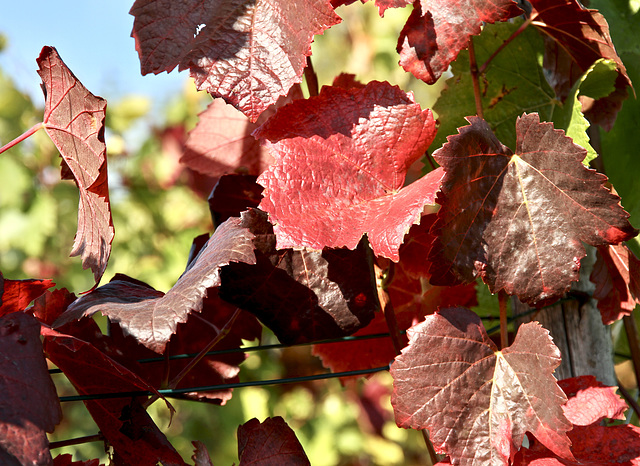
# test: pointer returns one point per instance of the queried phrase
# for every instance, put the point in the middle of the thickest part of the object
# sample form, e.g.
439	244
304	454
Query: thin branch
504	331
77	441
22	137
432	452
312	78
473	66
629	399
510	39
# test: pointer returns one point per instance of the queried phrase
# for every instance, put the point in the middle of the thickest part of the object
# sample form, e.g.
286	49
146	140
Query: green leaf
513	84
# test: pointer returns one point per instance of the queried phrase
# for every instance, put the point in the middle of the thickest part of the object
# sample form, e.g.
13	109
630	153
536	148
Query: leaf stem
432	452
504	333
473	66
632	337
312	79
22	137
510	39
77	441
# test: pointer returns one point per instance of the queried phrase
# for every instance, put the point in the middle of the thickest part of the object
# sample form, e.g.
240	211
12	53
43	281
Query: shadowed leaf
269	443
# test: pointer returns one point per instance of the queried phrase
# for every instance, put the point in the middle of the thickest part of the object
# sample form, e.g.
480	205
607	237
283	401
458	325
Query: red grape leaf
74	120
519	220
67	460
48	307
125	425
200	454
302	295
222	143
18	294
270	443
589	401
476	401
29	405
232	195
616	275
151	317
575	38
437	30
247	52
341	161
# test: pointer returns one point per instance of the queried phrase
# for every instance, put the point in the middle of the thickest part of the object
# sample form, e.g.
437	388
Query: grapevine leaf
18	294
616	275
231	47
589	401
74	120
48	307
437	30
576	37
232	195
269	442
123	422
476	401
29	406
302	295
200	454
152	317
519	220
341	161
67	460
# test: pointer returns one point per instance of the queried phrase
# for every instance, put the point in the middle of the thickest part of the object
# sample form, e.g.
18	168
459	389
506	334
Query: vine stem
510	39
629	399
504	333
632	337
22	137
77	441
311	78
223	332
473	66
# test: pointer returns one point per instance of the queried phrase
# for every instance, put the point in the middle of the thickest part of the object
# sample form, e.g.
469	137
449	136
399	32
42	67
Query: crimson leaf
302	295
437	30
29	406
616	275
152	317
19	293
476	401
341	161
127	427
518	220
232	195
232	47
74	120
589	401
270	443
67	460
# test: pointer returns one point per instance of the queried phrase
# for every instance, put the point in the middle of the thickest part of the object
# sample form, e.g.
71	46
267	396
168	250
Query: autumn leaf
302	295
519	220
341	161
576	37
18	294
438	30
67	460
270	442
29	407
231	47
476	401
74	120
616	274
590	401
151	316
232	195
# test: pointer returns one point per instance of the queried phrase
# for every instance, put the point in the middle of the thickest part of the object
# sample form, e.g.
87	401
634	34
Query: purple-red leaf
341	161
29	405
123	422
67	460
74	120
438	30
249	53
589	401
302	295
200	454
271	443
147	314
19	293
519	220
616	275
476	401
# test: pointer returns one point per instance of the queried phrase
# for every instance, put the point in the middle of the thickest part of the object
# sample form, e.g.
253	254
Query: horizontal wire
169	393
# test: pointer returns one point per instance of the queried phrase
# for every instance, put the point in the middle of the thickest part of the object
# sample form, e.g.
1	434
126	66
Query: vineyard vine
320	235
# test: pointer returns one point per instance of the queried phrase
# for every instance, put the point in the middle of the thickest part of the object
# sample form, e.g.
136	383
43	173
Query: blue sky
93	39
